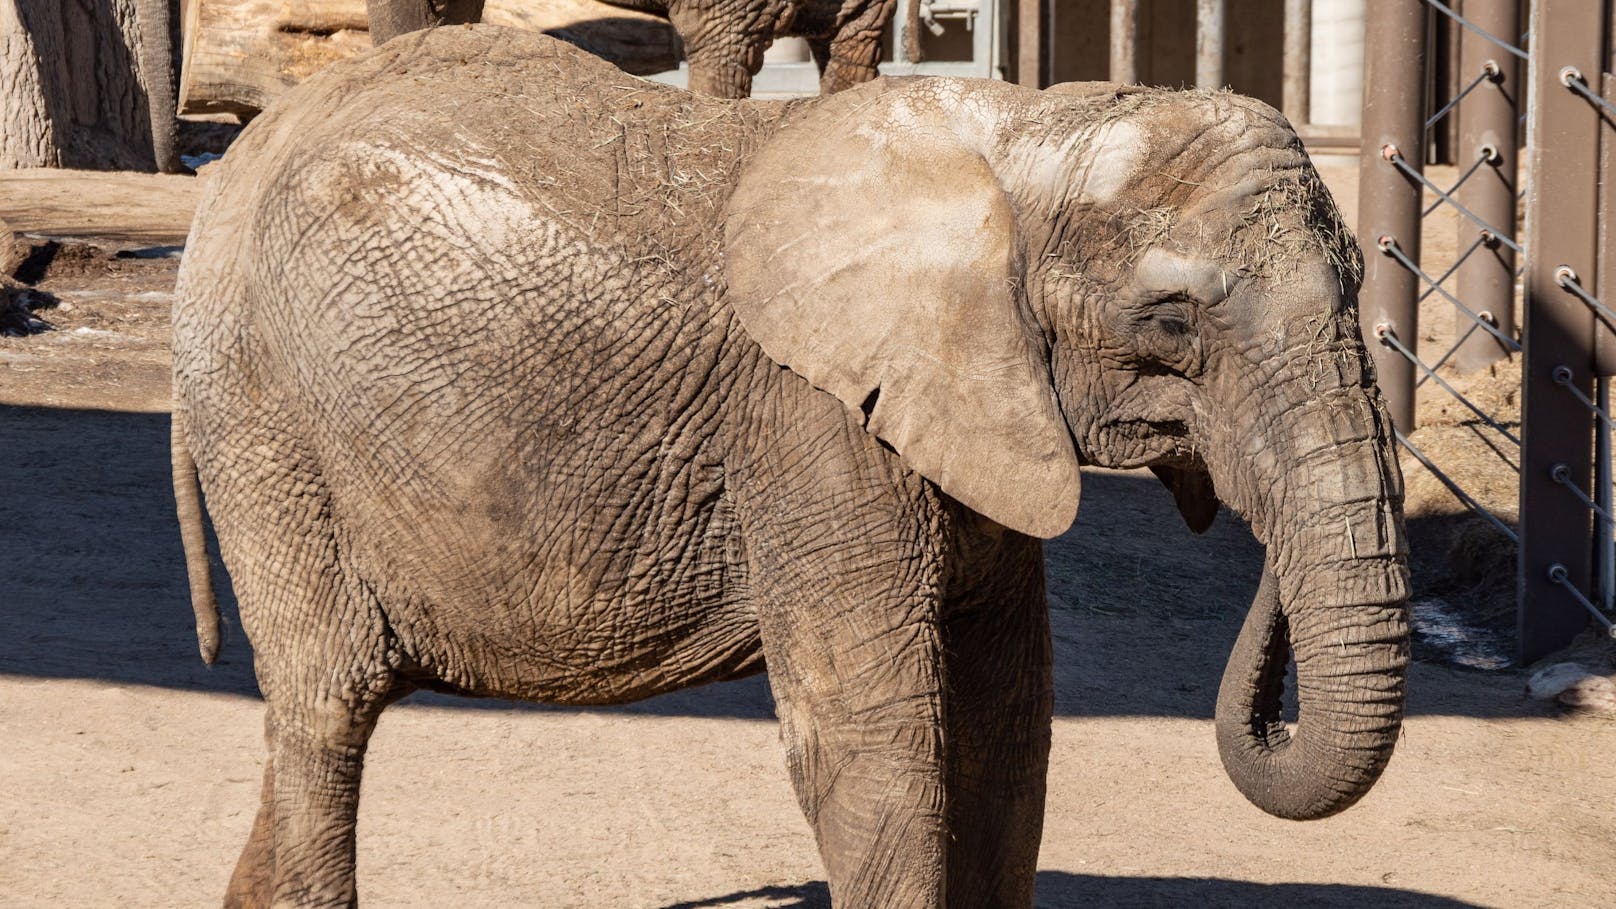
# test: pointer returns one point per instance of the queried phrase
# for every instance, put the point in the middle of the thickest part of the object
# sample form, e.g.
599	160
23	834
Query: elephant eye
1165	332
1172	313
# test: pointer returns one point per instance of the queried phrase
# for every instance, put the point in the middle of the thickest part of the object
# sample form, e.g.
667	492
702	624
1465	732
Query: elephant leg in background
998	669
391	18
724	45
852	55
155	58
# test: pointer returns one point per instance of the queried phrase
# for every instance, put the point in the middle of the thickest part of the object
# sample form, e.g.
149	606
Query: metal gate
1430	63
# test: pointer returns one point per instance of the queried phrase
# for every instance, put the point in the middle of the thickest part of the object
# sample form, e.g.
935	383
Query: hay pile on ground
1459	557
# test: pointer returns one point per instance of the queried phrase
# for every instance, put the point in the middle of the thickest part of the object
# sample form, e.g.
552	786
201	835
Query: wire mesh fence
1549	444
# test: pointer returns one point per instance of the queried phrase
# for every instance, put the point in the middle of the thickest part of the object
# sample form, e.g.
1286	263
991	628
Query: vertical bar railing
1559	411
1297	61
1388	205
1490	76
1209	33
1125	41
1030	56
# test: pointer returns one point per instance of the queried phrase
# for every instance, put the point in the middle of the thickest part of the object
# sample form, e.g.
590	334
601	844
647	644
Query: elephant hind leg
253	883
252	886
326	661
317	757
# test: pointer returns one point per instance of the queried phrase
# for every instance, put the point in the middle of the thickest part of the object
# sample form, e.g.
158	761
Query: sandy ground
129	771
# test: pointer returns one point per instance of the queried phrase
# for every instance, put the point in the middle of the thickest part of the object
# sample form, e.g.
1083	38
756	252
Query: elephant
506	374
154	53
724	40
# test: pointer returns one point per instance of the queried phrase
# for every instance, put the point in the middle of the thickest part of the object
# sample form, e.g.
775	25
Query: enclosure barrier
1566	560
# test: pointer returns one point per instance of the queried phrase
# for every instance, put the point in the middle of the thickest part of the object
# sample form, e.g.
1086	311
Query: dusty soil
131	770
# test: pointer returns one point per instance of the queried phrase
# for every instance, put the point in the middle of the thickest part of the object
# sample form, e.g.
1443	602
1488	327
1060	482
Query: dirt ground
129	771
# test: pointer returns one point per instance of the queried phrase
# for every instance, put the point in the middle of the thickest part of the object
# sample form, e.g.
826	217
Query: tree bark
241	54
73	91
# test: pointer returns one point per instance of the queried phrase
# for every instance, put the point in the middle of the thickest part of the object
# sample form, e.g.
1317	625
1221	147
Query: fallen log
240	54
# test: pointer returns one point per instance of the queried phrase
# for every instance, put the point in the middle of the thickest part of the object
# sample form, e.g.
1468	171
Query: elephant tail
188	504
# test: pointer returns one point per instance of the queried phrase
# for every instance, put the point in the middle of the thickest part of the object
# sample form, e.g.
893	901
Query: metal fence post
1209	16
1388	200
1557	427
1297	62
1029	43
1125	41
1487	129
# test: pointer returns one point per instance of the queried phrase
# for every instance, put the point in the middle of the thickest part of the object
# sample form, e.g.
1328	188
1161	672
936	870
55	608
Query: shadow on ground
1143	611
1061	890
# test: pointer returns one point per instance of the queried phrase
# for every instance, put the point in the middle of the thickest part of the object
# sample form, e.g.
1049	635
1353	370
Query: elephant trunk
1333	594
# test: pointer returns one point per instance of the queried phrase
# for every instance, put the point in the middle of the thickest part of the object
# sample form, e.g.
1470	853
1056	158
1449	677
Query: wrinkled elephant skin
724	41
506	374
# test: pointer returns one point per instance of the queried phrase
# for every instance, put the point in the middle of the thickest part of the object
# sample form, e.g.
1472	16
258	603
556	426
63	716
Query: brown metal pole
1125	41
1389	200
1029	42
1298	60
1209	43
1556	428
1486	280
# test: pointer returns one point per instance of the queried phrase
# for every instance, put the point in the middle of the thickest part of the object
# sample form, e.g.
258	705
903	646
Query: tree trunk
73	92
241	54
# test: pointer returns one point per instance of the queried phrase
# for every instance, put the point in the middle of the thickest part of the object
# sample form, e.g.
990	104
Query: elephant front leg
859	706
997	659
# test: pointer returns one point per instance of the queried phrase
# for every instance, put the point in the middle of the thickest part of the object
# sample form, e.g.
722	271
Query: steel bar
1487	124
1297	62
1209	16
1029	43
1557	428
1468	172
1605	341
1485	75
1418	175
1604	539
1125	41
1474	245
1559	575
1391	341
1392	250
1389	199
1502	44
1456	489
1563	377
1449	355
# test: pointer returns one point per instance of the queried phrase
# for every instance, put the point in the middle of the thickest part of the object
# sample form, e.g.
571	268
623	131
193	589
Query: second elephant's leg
724	50
854	52
997	657
390	18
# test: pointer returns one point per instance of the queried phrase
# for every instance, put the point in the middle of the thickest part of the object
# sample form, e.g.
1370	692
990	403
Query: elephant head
1008	283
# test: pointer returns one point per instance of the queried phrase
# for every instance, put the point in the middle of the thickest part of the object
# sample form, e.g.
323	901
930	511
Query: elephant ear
1193	493
870	248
